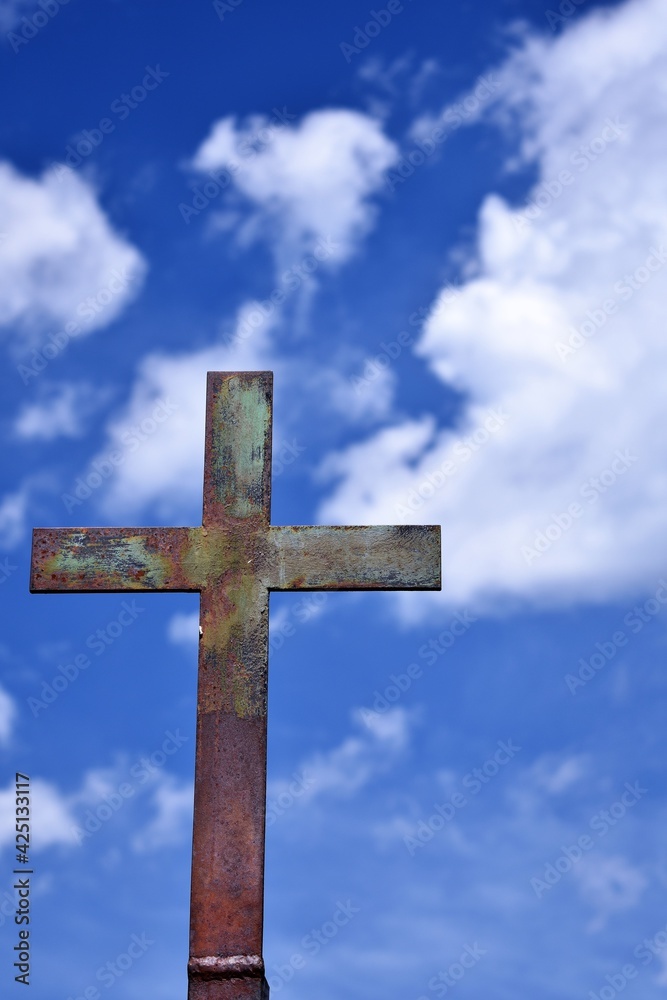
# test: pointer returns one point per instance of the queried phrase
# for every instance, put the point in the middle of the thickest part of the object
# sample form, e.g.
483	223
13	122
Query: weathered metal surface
234	560
382	557
235	967
81	560
227	894
237	477
233	988
302	557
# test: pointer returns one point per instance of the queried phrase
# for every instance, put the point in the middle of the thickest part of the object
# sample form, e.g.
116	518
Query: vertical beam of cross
230	773
233	560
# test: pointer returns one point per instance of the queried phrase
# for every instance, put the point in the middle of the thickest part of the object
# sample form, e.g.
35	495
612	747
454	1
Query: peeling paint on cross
234	560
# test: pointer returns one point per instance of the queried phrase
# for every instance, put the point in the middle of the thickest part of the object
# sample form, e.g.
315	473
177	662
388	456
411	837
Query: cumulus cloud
307	181
60	260
551	488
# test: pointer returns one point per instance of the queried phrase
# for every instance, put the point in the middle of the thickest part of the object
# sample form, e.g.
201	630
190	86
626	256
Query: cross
233	560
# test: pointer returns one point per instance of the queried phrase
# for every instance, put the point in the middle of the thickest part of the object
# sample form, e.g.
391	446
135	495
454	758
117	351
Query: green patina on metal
112	559
239	441
243	675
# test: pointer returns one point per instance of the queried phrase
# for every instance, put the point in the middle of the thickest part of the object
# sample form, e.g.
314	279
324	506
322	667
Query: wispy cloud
61	411
345	769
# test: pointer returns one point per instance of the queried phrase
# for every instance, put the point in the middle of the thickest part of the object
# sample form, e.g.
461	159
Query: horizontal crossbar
304	557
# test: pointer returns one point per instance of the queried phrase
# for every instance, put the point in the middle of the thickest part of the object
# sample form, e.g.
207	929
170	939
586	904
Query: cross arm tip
427	542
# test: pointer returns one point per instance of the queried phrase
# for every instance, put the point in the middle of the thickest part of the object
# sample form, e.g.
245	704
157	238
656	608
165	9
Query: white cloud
7	716
557	775
661	978
184	629
61	413
310	185
60	260
69	818
345	769
609	885
353	399
552	266
55	812
308	181
13	507
385	460
279	619
52	815
168	804
166	467
172	822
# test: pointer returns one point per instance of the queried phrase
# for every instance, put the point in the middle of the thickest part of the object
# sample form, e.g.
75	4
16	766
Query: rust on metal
234	560
113	559
234	967
383	557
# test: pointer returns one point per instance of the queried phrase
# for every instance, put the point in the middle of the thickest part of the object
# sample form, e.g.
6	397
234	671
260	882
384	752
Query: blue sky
443	227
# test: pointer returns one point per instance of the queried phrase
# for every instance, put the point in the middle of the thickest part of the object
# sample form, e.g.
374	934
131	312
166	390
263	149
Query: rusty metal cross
233	560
